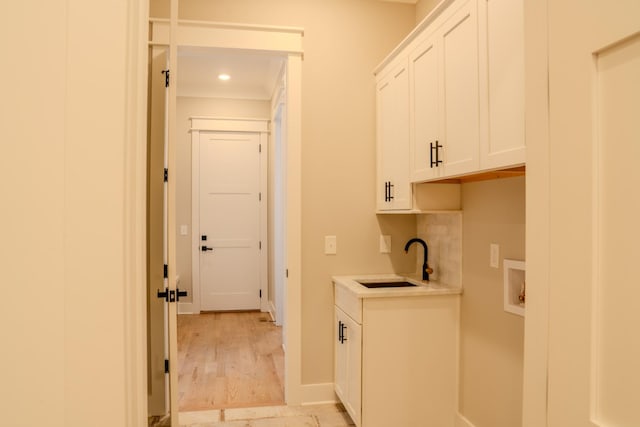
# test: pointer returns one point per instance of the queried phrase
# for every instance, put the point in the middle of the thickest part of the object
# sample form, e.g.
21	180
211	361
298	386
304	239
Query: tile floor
327	415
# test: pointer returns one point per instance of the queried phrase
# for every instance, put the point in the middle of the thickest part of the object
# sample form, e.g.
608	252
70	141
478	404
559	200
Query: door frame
538	183
278	219
287	43
201	124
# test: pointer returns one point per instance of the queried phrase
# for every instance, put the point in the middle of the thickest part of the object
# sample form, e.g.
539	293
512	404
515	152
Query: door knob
180	293
206	248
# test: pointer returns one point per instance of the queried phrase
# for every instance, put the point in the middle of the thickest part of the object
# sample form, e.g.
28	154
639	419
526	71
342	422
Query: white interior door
158	342
229	226
594	297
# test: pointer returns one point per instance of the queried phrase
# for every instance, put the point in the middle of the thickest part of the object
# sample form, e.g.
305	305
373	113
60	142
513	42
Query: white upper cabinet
459	97
443	73
501	41
393	186
425	111
458	100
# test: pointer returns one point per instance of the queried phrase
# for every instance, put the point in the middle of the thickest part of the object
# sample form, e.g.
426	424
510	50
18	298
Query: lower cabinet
396	360
348	363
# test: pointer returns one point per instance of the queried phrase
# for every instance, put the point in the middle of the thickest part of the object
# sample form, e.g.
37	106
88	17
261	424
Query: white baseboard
318	393
272	311
186	308
461	421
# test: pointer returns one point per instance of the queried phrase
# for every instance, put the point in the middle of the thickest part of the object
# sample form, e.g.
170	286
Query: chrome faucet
425	267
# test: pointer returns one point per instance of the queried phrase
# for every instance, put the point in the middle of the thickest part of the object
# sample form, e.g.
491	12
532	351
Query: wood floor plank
229	360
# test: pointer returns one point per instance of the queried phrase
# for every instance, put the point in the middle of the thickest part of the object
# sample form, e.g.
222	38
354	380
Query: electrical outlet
494	255
385	244
330	245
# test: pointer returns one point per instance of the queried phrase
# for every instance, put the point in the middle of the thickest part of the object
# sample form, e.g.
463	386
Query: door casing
287	43
212	124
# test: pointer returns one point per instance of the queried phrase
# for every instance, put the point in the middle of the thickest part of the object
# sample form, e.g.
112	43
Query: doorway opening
283	48
228	157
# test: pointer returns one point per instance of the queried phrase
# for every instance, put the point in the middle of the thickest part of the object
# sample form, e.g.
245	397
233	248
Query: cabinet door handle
431	154
432	148
340	331
344	337
387	191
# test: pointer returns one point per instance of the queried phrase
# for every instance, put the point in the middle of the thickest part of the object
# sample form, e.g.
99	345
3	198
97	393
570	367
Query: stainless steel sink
397	284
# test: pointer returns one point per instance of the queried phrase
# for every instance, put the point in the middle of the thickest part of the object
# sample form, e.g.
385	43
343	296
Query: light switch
494	255
385	244
330	245
183	230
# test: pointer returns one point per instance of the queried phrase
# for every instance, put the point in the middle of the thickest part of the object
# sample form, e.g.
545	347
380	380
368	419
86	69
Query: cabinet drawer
349	303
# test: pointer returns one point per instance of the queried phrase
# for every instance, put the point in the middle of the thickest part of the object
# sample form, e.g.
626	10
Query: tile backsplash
443	234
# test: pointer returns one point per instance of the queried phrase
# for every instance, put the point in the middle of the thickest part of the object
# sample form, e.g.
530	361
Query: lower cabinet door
348	364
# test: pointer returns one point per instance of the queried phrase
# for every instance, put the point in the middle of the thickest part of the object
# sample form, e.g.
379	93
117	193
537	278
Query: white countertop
422	288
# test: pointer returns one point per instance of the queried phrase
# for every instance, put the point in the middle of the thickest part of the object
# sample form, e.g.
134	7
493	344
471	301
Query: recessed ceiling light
224	77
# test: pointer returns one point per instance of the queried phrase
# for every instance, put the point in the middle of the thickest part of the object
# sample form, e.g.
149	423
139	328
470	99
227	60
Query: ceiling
253	75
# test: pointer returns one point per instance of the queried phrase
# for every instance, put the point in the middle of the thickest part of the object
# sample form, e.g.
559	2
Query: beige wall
186	108
343	42
492	340
338	197
423	7
159	9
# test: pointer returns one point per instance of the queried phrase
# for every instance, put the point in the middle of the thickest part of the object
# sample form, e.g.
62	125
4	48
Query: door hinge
166	271
260	245
286	273
259	148
260	196
260	293
166	175
166	366
166	77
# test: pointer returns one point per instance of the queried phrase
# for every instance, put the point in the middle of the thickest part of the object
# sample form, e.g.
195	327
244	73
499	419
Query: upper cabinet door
460	91
444	94
394	187
425	110
501	41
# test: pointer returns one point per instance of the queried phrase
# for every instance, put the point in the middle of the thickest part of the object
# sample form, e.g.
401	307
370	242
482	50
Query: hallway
229	360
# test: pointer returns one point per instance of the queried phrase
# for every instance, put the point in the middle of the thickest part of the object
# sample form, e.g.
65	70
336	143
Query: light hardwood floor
229	360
